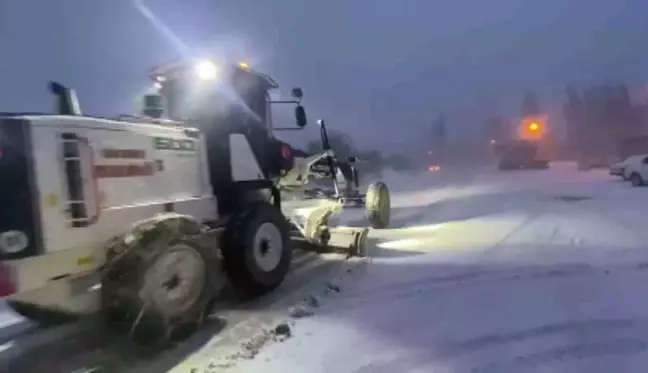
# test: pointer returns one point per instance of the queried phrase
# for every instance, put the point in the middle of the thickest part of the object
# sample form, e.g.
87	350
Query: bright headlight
206	70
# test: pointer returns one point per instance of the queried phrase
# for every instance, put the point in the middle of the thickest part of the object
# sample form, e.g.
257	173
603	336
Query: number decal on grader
163	143
128	170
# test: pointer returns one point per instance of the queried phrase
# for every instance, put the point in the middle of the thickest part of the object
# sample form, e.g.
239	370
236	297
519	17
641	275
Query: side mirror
300	116
297	93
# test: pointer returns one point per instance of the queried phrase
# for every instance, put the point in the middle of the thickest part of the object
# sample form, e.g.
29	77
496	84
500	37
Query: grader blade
348	240
318	235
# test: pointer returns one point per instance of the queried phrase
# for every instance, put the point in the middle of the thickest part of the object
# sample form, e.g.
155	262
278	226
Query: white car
618	168
636	169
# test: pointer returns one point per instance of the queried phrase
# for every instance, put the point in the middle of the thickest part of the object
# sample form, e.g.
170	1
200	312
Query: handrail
92	219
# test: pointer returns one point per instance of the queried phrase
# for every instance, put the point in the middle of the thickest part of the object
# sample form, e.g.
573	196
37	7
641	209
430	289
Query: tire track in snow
528	220
579	351
615	221
472	273
441	285
496	339
597	338
473	276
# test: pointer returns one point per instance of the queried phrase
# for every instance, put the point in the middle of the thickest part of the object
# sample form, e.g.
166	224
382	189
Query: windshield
238	93
17	208
190	102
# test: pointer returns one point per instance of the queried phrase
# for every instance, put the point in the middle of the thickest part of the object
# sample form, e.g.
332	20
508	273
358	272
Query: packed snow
486	271
480	271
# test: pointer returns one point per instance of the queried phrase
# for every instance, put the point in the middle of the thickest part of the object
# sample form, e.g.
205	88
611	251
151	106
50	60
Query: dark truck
521	154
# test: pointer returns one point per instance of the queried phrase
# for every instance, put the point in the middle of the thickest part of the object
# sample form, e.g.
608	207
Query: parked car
636	169
618	169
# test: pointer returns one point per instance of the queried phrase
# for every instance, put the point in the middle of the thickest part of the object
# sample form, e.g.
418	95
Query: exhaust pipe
66	99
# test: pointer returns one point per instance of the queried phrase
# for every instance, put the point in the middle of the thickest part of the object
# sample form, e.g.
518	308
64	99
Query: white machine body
91	179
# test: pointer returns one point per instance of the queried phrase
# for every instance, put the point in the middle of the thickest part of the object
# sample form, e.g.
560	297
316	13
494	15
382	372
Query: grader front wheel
378	205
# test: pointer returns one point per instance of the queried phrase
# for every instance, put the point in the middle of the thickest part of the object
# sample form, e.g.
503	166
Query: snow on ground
538	271
481	271
8	317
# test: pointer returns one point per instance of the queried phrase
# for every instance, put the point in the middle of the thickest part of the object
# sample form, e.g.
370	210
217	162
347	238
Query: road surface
481	271
531	271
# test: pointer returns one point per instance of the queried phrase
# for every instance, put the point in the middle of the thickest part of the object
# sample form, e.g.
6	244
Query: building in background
604	124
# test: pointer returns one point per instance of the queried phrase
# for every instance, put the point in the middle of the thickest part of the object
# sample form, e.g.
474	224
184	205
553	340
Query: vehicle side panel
123	176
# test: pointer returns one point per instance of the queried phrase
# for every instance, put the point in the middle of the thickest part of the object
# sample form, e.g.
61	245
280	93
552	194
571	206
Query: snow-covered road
538	271
481	271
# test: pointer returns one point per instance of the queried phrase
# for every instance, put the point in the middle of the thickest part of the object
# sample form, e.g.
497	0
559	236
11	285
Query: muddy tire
257	250
378	205
160	279
636	180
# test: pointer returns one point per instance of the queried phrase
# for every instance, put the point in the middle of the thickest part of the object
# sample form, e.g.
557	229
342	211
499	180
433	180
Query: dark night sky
369	66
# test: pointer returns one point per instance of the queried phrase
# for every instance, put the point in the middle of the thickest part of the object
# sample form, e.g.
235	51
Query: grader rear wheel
159	279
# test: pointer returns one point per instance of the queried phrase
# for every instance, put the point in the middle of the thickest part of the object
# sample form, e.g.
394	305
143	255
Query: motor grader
145	218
